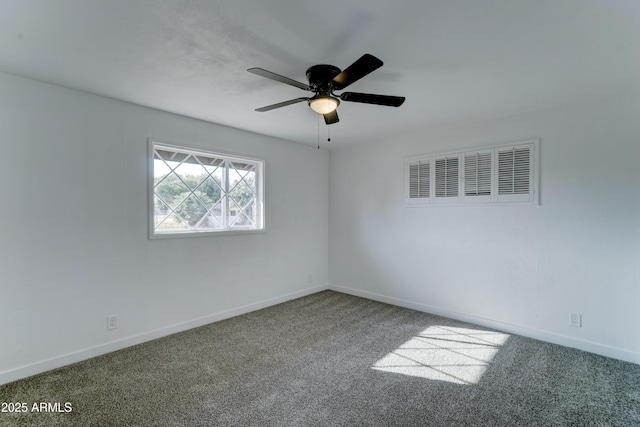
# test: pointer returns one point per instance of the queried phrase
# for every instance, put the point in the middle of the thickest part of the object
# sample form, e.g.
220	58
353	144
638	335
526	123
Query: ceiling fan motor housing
320	75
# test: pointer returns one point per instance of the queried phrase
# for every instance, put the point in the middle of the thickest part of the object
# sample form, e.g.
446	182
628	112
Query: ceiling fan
324	80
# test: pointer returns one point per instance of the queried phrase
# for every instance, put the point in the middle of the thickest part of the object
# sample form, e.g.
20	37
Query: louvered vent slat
447	177
513	171
477	174
419	180
414	176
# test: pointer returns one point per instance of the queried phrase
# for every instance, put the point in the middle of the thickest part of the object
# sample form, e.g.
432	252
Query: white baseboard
87	353
589	346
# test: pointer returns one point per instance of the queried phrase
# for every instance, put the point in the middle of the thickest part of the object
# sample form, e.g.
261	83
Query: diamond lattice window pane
172	190
212	188
242	187
213	219
191	172
164	164
239	172
192	209
160	170
172	223
161	211
246	216
198	191
160	207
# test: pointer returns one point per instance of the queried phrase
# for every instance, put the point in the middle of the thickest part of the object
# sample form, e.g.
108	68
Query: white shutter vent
515	174
447	177
504	174
419	180
477	174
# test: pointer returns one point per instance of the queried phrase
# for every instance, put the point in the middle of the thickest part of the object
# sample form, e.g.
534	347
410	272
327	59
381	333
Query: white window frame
155	143
463	199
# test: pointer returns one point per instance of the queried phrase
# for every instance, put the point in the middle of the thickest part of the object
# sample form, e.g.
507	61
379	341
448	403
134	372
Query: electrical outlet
112	322
576	320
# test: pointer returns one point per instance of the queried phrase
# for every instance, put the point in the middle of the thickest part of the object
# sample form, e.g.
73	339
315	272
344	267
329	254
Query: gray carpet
331	359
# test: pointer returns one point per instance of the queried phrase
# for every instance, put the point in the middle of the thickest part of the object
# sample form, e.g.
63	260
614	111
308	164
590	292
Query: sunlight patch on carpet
445	353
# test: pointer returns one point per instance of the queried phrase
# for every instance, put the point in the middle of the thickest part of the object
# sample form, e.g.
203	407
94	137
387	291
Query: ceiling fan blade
277	77
331	118
370	98
281	104
363	66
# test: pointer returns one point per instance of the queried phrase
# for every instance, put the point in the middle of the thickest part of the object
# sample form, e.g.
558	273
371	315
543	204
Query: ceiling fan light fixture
323	104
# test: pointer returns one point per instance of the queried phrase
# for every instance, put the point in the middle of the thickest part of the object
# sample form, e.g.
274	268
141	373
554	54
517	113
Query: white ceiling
455	60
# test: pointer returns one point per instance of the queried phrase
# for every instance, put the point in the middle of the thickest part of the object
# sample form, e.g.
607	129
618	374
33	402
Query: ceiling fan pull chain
318	131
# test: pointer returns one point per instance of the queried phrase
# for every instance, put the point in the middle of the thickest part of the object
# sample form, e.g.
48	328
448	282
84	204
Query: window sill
173	235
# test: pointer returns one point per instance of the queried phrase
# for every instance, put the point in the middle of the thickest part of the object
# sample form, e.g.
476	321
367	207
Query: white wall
520	269
73	226
74	246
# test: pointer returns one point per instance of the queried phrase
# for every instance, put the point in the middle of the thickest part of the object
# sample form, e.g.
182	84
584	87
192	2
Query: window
194	192
499	174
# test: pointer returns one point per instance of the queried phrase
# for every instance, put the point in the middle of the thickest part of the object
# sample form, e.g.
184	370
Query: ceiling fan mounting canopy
320	77
324	79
